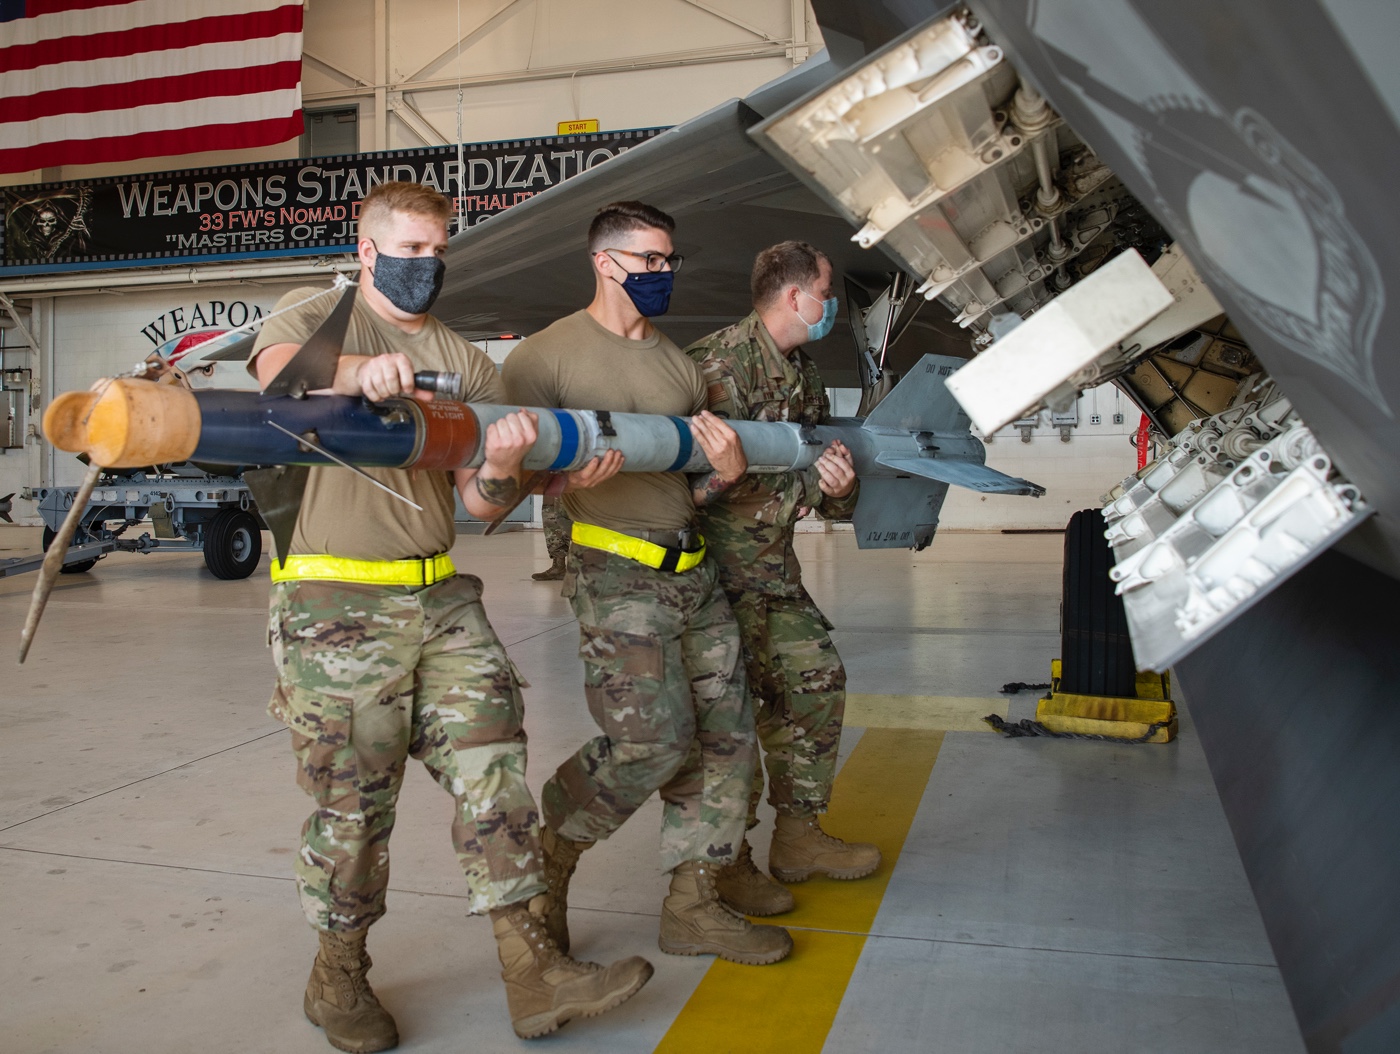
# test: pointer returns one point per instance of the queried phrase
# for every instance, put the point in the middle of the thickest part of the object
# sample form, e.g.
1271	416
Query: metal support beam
13	312
484	29
381	75
801	49
669	60
93	282
354	79
414	120
725	16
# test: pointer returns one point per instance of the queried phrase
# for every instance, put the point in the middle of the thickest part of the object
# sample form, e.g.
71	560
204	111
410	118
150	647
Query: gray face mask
410	283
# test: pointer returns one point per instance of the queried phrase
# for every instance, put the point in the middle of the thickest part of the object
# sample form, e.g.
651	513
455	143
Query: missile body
906	453
404	433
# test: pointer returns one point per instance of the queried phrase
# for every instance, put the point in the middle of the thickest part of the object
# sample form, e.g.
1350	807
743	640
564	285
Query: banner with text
275	207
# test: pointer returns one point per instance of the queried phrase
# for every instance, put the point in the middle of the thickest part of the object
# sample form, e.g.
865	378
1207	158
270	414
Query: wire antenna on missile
344	464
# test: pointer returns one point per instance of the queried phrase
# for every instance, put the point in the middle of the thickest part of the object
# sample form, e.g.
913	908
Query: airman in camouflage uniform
412	672
383	652
663	669
795	675
556	524
678	694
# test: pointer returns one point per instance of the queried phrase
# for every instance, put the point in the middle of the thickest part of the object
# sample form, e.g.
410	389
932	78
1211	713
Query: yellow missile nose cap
137	422
65	421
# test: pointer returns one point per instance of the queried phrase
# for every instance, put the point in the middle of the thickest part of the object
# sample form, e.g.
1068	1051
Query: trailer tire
232	544
1096	653
74	568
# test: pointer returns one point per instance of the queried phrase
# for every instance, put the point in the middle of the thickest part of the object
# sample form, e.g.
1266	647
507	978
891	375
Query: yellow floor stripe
790	1006
949	713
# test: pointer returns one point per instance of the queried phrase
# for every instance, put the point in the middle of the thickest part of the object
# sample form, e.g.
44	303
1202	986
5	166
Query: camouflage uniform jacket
750	526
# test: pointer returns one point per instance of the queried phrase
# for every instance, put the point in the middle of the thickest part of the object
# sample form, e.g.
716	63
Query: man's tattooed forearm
499	492
709	487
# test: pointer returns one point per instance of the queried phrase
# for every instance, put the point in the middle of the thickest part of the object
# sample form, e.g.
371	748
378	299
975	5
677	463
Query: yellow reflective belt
424	572
649	553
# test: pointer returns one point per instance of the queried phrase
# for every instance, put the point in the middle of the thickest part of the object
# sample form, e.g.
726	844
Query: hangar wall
524	66
94	335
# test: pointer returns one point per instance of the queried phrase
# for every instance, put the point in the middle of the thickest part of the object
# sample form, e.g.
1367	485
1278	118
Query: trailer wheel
74	568
1096	653
232	544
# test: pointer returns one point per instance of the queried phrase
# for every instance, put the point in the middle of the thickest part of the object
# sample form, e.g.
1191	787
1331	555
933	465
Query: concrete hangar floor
1036	896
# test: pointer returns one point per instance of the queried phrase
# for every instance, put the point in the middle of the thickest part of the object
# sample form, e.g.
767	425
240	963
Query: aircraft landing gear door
939	155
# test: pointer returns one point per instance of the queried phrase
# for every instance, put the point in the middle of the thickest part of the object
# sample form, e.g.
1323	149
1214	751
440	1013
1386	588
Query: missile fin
278	492
897	513
313	366
967	474
921	401
236	350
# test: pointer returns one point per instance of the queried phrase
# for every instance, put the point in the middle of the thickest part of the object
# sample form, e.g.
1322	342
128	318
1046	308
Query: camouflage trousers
368	676
664	680
557	526
799	698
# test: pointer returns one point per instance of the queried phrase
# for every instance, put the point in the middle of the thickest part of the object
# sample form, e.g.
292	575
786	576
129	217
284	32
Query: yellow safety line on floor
948	713
790	1006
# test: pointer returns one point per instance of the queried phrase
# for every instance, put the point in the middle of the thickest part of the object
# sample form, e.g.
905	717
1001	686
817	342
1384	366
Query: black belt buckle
689	539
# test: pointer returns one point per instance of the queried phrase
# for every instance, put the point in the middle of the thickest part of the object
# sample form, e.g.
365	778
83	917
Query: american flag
93	81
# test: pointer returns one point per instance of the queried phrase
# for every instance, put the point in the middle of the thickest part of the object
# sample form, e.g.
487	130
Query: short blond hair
412	198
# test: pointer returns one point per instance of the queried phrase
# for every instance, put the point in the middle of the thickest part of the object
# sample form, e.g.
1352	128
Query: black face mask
410	283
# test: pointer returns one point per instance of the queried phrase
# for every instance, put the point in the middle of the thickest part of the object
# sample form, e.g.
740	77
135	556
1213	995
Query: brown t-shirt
576	364
343	514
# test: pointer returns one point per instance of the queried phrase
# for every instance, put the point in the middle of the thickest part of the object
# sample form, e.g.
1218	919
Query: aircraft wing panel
528	266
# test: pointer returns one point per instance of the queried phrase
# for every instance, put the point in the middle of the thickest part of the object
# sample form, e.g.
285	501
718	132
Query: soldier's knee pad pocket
624	682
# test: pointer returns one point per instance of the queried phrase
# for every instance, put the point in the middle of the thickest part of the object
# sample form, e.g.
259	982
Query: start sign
578	127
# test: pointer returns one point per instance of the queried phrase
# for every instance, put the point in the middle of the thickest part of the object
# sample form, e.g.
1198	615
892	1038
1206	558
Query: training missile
912	447
131	422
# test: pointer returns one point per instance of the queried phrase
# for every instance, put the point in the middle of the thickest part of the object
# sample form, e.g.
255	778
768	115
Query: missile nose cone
65	421
129	423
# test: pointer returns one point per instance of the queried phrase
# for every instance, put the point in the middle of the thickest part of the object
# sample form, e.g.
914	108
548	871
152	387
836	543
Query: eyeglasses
655	260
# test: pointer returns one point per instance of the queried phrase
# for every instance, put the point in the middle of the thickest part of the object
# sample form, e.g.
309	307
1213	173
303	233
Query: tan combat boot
560	858
802	849
544	987
340	1000
553	573
748	890
694	922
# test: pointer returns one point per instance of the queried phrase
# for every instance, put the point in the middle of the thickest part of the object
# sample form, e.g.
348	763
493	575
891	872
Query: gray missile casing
650	442
911	448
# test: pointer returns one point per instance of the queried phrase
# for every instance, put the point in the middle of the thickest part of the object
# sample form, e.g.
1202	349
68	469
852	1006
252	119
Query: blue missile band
234	430
686	444
568	440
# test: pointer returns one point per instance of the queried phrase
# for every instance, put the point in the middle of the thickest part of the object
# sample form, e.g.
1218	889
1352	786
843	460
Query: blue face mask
820	328
649	291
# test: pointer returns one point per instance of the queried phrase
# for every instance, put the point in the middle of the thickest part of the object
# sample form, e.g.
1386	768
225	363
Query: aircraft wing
519	271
